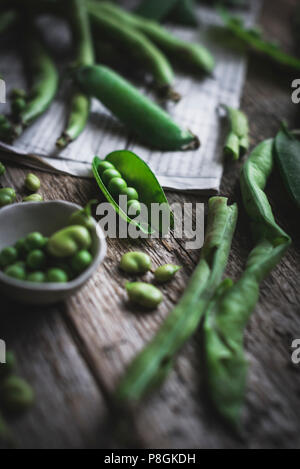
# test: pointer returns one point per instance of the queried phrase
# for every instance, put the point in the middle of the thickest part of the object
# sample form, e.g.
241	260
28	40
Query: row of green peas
117	186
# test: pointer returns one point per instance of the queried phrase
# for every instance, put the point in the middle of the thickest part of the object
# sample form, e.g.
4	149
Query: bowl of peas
48	251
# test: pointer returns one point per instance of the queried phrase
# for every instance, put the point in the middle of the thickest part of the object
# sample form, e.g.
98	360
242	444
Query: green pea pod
288	160
228	315
135	43
137	174
189	54
237	142
252	39
150	122
44	80
80	103
2	169
152	365
69	241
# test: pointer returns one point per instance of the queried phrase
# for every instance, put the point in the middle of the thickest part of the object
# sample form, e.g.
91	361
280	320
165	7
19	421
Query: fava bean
165	273
68	241
33	198
135	263
57	276
7	196
32	182
144	294
8	256
15	394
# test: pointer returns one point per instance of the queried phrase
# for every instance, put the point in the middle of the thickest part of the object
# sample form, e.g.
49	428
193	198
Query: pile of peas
117	186
59	259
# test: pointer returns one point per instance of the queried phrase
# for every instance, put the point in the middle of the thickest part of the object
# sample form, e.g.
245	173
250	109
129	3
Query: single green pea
18	105
16	272
63	266
68	241
103	166
34	241
2	169
84	217
56	276
21	248
135	263
8	256
16	395
36	277
81	261
116	185
131	193
144	294
133	208
36	259
33	198
165	273
8	367
110	174
7	196
32	182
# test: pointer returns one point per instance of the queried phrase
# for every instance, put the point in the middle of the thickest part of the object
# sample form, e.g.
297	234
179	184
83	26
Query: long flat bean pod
191	54
80	103
151	123
228	315
151	366
44	79
137	44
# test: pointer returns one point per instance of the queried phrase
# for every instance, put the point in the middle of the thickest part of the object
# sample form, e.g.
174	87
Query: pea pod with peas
123	173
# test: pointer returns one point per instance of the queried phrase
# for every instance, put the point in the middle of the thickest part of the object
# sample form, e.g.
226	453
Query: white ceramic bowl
17	221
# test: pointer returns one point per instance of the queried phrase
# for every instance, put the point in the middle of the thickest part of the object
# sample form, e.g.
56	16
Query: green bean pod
151	366
137	44
151	123
228	315
44	80
191	54
80	103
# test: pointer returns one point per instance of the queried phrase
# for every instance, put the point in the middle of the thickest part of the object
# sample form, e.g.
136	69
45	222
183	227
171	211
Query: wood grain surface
74	353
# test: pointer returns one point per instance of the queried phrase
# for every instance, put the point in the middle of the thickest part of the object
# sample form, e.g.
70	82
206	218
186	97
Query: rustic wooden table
74	353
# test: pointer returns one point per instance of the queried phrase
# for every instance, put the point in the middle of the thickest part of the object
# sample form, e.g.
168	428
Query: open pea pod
138	175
